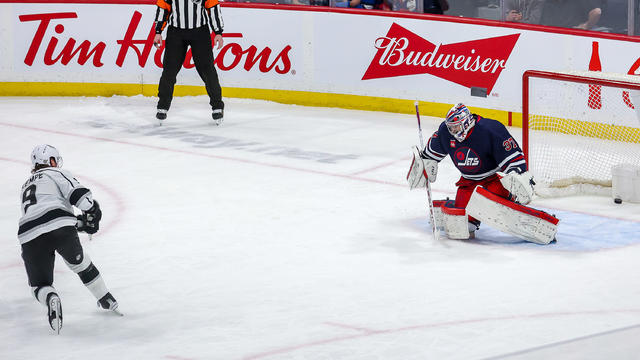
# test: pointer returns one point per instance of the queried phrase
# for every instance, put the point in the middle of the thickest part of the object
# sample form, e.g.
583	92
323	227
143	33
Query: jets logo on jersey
467	159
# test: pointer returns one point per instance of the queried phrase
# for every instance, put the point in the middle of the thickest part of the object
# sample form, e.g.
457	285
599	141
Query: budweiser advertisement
303	49
441	61
470	63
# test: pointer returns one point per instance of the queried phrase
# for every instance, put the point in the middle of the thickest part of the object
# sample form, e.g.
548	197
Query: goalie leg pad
456	223
518	220
438	214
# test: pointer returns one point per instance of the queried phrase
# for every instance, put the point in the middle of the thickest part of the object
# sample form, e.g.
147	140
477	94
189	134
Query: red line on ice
351	177
336	339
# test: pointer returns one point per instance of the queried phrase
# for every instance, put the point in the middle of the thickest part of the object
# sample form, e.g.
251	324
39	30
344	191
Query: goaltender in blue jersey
494	186
487	149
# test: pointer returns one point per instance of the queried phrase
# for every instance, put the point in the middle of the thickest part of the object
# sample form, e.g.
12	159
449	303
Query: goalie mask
42	155
459	122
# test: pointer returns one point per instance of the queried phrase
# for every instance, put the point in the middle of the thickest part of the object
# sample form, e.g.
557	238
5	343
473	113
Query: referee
189	22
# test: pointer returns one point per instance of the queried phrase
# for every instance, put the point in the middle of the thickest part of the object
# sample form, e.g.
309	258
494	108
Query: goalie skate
54	312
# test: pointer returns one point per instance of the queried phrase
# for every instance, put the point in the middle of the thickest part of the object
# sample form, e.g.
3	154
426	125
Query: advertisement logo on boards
475	63
594	100
50	50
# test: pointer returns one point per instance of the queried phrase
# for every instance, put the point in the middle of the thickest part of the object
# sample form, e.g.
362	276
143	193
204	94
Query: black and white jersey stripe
48	221
187	14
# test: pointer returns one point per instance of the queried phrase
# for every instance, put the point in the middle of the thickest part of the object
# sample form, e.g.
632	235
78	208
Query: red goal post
576	126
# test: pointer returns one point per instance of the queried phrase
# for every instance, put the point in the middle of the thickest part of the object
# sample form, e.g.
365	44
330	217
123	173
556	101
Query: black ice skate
108	302
54	311
218	116
161	115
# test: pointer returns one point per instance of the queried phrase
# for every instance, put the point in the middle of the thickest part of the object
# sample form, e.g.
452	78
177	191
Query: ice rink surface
290	233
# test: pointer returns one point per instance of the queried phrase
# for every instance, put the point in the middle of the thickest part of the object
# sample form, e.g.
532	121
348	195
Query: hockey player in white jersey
48	225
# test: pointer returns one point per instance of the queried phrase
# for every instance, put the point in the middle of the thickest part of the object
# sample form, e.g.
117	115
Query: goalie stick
434	227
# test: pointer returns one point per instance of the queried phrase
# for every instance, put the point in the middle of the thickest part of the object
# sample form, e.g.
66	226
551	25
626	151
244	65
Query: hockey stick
434	228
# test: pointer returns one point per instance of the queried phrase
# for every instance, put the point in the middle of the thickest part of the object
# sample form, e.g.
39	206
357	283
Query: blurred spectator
614	17
306	2
526	11
637	19
466	8
580	14
435	6
359	4
401	5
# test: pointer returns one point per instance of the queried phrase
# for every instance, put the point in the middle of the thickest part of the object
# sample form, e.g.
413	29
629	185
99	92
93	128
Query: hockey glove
421	169
89	221
519	185
415	176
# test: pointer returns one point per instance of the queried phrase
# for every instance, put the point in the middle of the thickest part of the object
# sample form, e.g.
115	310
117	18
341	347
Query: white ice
289	233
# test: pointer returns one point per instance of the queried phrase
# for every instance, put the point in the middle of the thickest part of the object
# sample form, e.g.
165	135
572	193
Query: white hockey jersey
47	201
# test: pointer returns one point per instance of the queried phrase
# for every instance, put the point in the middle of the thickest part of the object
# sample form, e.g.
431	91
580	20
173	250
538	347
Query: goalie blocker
518	220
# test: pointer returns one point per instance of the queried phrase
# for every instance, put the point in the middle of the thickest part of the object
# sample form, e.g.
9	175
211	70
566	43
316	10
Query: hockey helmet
42	155
459	121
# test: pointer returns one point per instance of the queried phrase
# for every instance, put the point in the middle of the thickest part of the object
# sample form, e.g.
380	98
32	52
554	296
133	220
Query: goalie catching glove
89	221
421	169
519	185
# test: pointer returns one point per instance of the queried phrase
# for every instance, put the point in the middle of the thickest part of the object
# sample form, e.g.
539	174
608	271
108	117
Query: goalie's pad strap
454	211
515	219
439	203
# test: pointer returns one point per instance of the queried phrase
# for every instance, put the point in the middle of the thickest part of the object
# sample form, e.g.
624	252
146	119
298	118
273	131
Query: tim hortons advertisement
114	43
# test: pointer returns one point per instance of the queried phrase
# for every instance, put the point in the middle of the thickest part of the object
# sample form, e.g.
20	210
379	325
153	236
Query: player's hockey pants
466	187
39	257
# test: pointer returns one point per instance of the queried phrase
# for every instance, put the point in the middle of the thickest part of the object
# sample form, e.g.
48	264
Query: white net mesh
578	132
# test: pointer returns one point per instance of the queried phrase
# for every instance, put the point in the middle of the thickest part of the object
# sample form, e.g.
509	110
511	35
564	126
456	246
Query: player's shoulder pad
443	127
492	126
62	174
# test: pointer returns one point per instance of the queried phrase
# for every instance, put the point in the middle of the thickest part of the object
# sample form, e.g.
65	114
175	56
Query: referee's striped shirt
189	14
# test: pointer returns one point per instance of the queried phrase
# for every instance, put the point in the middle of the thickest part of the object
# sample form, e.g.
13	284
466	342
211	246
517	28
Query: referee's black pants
176	44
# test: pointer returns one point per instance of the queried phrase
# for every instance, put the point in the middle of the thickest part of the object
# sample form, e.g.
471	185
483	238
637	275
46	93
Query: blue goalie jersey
488	148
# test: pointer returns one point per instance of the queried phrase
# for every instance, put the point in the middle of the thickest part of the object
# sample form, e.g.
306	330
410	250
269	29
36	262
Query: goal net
576	127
